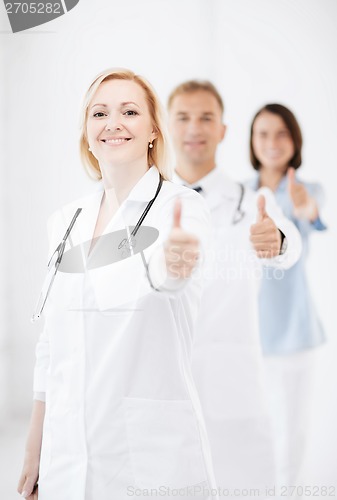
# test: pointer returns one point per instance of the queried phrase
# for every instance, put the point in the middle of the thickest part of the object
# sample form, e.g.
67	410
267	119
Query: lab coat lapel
139	196
214	200
88	217
220	189
83	230
121	282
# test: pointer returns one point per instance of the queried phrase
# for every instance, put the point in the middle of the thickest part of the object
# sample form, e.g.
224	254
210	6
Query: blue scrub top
288	319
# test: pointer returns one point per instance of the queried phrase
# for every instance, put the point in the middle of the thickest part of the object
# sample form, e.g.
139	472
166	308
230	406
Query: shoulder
171	191
71	207
252	183
61	217
250	195
311	186
171	188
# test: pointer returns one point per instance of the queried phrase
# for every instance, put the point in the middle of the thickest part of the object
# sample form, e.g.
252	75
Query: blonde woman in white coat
115	411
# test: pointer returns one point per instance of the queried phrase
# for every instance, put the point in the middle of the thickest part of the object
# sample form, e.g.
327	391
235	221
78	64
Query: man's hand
181	248
305	206
264	235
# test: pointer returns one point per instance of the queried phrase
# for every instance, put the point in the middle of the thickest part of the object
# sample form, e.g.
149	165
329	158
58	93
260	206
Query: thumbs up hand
305	206
264	235
181	247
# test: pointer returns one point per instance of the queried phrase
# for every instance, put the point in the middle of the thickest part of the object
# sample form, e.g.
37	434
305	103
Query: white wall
255	51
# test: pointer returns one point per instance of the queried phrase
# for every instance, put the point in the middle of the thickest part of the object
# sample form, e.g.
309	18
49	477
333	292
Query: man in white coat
249	231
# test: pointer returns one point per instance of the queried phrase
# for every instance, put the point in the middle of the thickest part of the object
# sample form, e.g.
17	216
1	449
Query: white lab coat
227	359
122	414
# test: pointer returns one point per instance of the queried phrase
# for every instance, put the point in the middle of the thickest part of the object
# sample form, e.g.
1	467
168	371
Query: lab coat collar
143	191
145	188
283	184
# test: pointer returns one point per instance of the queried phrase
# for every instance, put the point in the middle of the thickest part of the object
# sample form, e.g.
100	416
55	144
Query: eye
206	118
284	133
182	118
130	112
99	114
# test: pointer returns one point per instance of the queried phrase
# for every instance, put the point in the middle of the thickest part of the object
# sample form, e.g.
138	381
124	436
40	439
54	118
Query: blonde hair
192	86
159	154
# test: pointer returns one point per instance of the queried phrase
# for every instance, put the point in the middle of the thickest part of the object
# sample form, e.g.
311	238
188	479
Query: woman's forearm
34	439
30	470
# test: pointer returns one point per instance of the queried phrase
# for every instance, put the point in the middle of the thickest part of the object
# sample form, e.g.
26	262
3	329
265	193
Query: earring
89	149
150	145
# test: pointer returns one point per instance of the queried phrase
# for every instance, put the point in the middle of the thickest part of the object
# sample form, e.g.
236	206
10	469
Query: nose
113	123
272	141
193	127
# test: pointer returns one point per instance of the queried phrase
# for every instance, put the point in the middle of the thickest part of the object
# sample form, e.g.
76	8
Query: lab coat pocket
164	443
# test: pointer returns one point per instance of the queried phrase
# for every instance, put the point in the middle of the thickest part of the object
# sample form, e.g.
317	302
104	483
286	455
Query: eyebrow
210	113
265	129
130	102
122	104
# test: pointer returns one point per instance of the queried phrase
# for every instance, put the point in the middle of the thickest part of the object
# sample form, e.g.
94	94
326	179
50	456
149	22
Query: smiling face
119	127
195	121
272	142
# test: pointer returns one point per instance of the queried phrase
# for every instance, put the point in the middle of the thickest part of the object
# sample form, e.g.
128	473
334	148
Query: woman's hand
27	486
305	206
181	248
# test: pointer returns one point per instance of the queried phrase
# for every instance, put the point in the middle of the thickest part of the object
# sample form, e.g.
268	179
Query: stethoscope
239	213
56	258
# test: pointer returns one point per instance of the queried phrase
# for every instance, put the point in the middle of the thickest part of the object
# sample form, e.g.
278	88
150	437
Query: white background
255	51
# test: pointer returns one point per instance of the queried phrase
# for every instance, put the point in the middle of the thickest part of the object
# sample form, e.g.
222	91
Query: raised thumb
28	487
261	208
291	177
177	213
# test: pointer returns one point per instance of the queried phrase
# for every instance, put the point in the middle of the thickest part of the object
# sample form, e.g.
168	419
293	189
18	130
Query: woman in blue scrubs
289	325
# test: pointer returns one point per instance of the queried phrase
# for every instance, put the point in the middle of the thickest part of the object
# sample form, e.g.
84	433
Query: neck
193	172
270	178
119	180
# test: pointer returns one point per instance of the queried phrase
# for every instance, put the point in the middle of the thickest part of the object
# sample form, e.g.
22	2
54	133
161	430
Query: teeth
115	141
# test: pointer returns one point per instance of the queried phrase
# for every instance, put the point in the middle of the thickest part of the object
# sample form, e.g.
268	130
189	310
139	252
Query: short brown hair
194	86
159	154
292	125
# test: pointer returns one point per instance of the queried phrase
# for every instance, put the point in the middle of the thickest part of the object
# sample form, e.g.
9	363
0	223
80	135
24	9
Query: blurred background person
227	358
289	326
